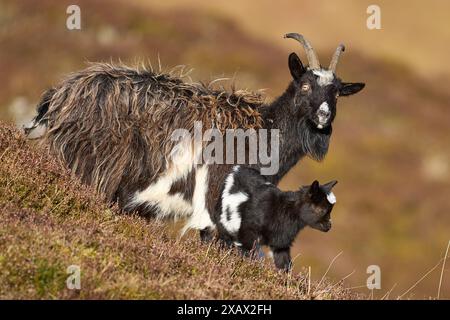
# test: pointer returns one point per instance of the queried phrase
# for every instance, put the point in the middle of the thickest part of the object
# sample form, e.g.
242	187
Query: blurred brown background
390	146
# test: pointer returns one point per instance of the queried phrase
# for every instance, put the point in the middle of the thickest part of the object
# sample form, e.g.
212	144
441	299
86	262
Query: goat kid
253	212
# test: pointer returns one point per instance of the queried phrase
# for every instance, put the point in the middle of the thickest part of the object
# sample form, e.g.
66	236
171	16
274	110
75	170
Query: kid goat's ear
296	66
349	88
328	186
314	188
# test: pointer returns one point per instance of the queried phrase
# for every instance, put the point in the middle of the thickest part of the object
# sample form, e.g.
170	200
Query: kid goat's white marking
230	203
325	77
331	198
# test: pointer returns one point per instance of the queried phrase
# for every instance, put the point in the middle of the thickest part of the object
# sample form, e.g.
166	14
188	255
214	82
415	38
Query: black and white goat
112	126
253	212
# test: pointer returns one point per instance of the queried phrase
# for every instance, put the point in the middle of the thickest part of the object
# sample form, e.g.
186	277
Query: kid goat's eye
306	87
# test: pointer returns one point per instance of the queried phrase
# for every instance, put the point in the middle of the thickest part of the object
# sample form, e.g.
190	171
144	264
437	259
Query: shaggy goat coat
112	127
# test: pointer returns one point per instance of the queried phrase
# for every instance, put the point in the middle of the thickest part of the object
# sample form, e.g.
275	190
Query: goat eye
306	87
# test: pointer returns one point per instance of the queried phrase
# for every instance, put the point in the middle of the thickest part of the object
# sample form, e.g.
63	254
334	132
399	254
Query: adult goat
112	126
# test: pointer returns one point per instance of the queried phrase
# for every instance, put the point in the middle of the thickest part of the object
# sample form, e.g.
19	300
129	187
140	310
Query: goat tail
41	109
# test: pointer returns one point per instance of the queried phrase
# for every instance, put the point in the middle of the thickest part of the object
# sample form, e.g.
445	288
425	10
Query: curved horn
335	59
310	54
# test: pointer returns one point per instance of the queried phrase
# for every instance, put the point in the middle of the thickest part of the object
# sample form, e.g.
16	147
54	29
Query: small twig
4	152
357	287
289	275
442	270
387	294
225	255
159	63
293	260
207	250
342	280
309	280
169	280
209	277
329	266
420	280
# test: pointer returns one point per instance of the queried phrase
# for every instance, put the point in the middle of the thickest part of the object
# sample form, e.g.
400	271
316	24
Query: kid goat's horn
335	59
310	54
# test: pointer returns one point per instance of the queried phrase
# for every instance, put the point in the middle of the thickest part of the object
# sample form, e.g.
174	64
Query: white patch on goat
230	204
200	218
324	107
323	119
325	77
331	198
157	194
36	130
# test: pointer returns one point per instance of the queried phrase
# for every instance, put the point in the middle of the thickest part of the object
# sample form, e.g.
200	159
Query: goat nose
323	113
324	110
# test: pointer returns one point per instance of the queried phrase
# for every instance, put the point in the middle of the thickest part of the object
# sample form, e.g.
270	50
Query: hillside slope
49	221
389	148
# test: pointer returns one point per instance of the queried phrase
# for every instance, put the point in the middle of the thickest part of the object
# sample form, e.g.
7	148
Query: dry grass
49	221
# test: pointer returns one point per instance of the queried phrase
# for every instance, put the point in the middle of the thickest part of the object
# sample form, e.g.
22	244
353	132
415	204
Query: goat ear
349	88
296	66
328	186
314	188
